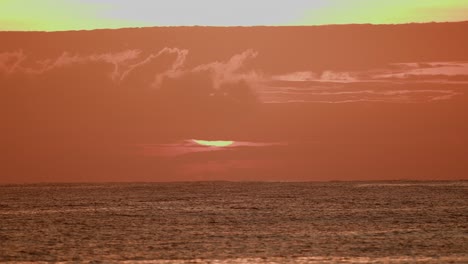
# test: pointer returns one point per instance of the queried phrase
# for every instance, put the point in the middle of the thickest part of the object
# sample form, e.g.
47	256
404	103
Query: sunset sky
321	103
60	15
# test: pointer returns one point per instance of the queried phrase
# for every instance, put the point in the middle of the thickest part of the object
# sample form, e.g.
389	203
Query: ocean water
226	222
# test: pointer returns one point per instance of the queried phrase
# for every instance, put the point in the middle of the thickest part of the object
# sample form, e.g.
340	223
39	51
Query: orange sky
299	103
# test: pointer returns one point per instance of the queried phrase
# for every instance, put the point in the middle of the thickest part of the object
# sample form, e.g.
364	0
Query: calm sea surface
223	222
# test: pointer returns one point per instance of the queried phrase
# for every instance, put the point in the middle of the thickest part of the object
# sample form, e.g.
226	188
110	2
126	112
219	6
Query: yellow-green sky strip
387	12
57	15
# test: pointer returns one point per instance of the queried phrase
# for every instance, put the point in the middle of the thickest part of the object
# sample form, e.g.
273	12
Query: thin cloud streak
349	96
190	146
343	87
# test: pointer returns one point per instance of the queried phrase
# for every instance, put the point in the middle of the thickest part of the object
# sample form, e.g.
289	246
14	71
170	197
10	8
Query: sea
235	222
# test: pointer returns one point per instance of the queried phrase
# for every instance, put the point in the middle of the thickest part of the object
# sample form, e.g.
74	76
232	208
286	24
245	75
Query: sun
213	143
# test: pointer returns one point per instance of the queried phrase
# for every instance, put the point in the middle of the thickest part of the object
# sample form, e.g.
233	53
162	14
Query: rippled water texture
222	222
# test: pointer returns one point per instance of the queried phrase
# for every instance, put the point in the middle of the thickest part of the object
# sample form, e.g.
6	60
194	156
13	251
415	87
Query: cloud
396	71
352	95
117	88
340	77
297	77
326	76
178	62
221	72
118	60
398	83
190	146
164	70
227	84
15	62
128	62
235	82
230	71
441	70
11	61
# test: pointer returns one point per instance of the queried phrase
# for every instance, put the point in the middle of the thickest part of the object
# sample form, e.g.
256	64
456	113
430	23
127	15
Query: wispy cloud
230	71
398	83
128	62
351	95
222	72
11	61
191	146
443	70
17	62
234	79
326	76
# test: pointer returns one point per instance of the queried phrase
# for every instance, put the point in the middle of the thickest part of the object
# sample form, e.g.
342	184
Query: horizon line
231	181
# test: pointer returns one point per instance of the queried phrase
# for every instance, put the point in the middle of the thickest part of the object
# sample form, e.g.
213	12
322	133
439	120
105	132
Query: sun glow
214	143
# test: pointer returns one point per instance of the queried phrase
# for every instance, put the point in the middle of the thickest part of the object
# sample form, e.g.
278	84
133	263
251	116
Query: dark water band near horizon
235	222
